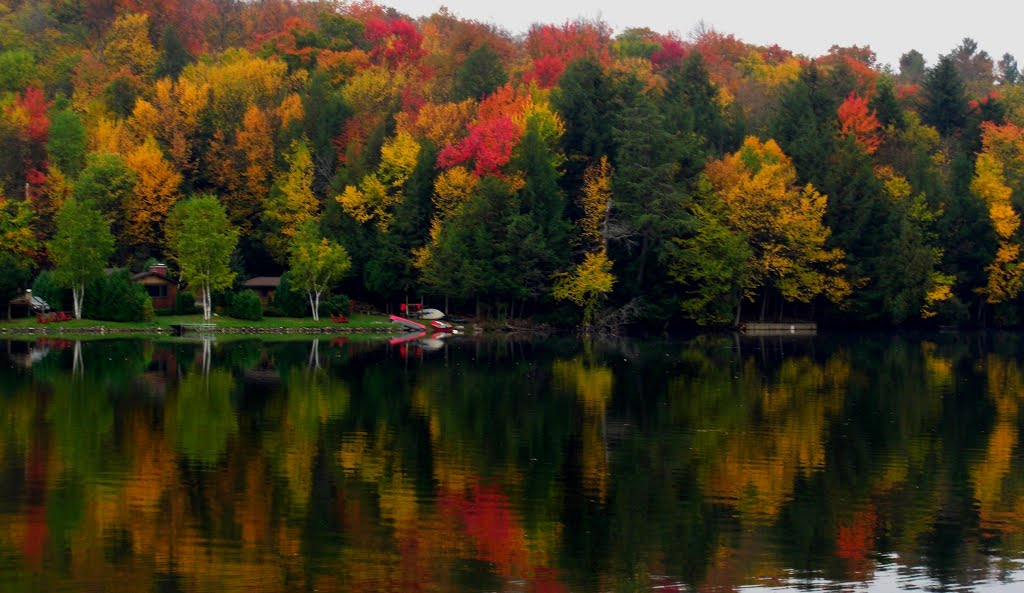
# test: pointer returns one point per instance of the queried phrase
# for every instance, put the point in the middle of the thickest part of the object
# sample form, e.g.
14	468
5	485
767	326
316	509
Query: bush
336	304
246	305
45	288
290	303
117	297
185	303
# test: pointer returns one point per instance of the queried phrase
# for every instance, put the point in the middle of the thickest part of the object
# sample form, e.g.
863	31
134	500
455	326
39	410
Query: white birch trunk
77	295
206	301
314	303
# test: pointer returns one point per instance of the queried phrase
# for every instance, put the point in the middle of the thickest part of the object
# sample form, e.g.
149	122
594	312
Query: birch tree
202	239
80	248
316	262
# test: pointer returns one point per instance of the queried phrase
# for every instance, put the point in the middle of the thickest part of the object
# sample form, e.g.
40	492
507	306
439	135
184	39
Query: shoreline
162	331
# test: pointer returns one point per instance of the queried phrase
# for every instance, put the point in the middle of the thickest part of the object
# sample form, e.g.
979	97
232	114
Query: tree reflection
538	466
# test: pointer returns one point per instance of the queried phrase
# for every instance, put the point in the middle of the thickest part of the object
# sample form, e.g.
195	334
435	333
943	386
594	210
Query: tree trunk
314	303
739	307
643	261
77	295
206	301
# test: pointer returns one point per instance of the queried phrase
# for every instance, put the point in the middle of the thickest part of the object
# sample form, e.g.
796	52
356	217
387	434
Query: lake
717	463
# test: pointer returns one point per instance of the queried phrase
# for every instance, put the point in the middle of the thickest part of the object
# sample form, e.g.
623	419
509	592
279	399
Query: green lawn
165	323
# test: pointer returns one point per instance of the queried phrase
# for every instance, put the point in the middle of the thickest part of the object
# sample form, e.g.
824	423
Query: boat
441	326
431	314
408	323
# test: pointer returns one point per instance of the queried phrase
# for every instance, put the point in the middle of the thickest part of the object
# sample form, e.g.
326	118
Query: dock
775	329
180	329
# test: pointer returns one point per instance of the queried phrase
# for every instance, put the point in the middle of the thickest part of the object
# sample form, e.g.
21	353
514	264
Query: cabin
26	305
264	286
162	289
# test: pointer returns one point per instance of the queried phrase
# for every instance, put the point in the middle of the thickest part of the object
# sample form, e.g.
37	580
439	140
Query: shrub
336	304
117	297
45	288
290	303
185	303
246	305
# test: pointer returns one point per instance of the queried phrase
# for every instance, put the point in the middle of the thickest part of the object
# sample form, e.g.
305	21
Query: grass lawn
356	322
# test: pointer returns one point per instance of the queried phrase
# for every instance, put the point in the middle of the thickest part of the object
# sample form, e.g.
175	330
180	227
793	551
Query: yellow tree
291	202
595	202
757	198
379	193
172	117
128	45
585	286
1001	159
156	190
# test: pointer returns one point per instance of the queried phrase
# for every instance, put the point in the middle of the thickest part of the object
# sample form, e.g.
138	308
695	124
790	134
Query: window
157	291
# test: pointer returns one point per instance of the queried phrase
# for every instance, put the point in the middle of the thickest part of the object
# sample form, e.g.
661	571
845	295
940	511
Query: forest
569	175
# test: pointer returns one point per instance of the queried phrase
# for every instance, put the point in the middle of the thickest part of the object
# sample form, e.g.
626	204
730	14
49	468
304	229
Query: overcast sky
810	27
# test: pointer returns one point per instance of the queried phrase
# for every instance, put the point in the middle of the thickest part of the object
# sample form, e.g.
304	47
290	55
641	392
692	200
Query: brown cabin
264	286
162	289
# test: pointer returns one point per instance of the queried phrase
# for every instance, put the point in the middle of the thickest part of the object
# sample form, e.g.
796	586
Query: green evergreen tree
583	99
805	125
479	75
885	104
542	228
945	97
173	54
66	143
647	202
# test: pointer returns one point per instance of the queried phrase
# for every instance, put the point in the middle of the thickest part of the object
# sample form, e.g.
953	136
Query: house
162	289
26	305
264	286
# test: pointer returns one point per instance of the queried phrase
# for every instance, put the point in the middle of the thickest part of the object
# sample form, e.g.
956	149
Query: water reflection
477	465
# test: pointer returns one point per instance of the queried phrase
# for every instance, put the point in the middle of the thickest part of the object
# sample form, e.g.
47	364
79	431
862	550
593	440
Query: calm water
715	464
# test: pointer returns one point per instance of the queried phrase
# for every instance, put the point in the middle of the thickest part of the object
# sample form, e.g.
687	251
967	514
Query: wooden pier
181	329
776	329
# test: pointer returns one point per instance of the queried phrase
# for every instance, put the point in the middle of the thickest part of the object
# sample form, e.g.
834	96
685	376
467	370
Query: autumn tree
999	170
316	263
80	249
128	45
16	236
156	190
172	115
291	202
756	196
858	120
595	200
586	285
201	241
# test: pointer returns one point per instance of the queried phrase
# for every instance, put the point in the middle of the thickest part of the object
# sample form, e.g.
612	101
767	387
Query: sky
809	27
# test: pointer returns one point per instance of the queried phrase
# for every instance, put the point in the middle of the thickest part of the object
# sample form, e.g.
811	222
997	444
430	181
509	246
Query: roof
37	303
147	274
263	282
